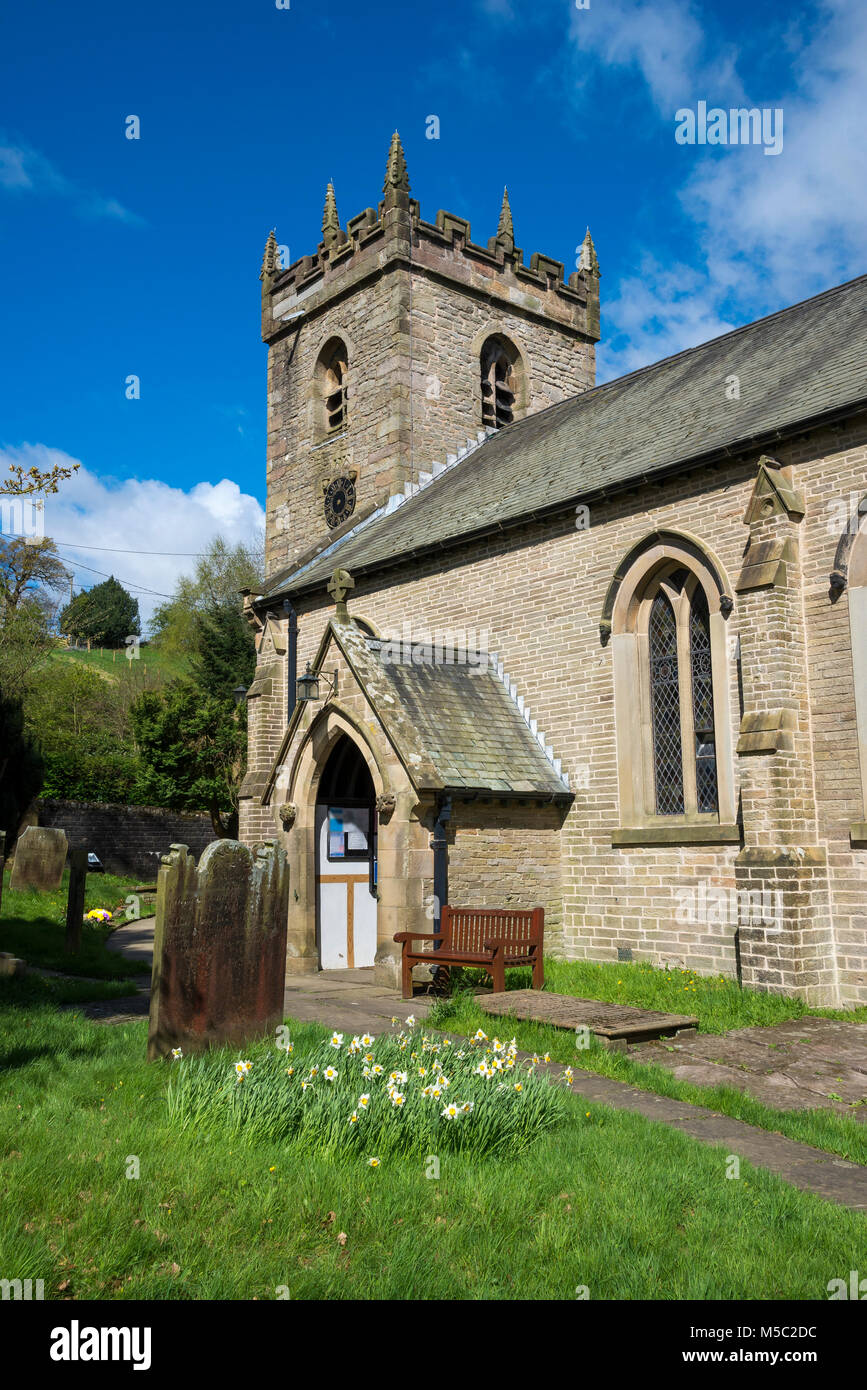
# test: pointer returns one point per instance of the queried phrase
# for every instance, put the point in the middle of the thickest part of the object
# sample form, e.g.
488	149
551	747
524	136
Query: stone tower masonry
378	344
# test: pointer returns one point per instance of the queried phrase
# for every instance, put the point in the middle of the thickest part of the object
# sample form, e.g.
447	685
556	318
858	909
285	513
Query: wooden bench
489	938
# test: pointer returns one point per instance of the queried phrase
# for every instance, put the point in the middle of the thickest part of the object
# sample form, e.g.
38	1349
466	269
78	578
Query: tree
220	573
20	766
107	614
225	650
21	480
191	744
28	567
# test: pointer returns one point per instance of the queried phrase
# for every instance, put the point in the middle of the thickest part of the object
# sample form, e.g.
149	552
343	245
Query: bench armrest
417	936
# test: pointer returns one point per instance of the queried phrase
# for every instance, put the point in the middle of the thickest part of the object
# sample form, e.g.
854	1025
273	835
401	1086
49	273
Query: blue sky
122	257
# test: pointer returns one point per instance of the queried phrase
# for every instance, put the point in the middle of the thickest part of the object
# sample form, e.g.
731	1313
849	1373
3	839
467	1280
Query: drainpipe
291	657
440	847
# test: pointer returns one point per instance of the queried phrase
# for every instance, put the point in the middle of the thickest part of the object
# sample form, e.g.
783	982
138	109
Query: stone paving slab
802	1064
348	1001
608	1021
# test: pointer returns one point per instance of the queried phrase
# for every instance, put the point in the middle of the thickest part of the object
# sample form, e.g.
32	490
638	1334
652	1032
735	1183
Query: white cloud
664	40
25	170
658	311
136	514
766	232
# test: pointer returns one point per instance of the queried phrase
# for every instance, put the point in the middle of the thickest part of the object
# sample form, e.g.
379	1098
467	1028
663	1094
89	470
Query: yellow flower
374	1162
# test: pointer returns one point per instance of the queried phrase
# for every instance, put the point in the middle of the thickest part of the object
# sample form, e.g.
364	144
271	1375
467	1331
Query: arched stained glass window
665	708
702	703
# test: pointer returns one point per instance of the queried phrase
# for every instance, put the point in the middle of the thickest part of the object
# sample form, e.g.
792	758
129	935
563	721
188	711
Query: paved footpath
348	1001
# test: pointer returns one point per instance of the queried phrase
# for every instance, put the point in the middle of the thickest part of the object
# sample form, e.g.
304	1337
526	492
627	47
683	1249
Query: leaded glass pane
702	704
665	708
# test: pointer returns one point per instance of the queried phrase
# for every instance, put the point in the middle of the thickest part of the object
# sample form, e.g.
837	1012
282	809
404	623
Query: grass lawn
116	665
719	1004
33	926
613	1202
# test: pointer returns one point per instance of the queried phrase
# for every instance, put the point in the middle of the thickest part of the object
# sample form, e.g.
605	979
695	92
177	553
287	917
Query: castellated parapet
376	344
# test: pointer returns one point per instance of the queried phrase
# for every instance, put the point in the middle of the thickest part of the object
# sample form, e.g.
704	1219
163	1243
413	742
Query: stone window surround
336	345
654	558
521	366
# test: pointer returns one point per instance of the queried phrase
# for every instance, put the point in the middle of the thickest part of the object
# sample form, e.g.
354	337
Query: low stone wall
127	839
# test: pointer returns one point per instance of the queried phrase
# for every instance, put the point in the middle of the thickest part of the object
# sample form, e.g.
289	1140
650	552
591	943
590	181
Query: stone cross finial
396	175
339	586
505	228
588	255
271	257
331	233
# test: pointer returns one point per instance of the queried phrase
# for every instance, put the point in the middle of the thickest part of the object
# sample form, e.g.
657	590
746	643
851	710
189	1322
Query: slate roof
455	727
471	730
805	363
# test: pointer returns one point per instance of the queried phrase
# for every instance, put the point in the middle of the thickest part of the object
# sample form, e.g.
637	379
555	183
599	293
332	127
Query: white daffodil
373	1162
176	1052
410	1022
366	1040
451	1111
397	1099
336	1039
330	1073
364	1101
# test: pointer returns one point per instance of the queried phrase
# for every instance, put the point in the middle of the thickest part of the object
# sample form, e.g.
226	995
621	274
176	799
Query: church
529	641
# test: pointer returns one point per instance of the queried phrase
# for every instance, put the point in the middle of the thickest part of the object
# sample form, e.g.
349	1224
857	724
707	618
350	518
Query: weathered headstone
75	898
219	947
40	855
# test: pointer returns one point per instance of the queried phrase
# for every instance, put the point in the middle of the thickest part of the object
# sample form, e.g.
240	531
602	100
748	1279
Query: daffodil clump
401	1093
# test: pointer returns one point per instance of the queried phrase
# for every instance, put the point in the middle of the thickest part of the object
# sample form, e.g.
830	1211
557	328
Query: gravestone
40	855
219	947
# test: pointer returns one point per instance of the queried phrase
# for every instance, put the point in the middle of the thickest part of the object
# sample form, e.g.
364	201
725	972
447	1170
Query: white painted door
345	906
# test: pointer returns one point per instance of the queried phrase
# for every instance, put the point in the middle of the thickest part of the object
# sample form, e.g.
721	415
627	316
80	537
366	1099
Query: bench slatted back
468	928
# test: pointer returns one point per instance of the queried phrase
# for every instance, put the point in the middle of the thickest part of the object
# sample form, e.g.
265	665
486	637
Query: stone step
616	1025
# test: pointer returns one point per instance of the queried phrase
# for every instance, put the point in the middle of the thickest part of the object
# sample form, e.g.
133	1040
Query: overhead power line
127	583
118	550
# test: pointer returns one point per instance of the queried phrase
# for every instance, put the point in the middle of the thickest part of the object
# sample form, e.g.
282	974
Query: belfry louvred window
332	371
499	384
335	390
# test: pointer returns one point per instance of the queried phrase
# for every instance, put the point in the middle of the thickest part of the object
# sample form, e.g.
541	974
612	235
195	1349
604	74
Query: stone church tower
396	343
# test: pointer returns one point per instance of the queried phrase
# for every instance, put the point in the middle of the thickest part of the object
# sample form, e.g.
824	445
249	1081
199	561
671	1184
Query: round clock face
339	501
